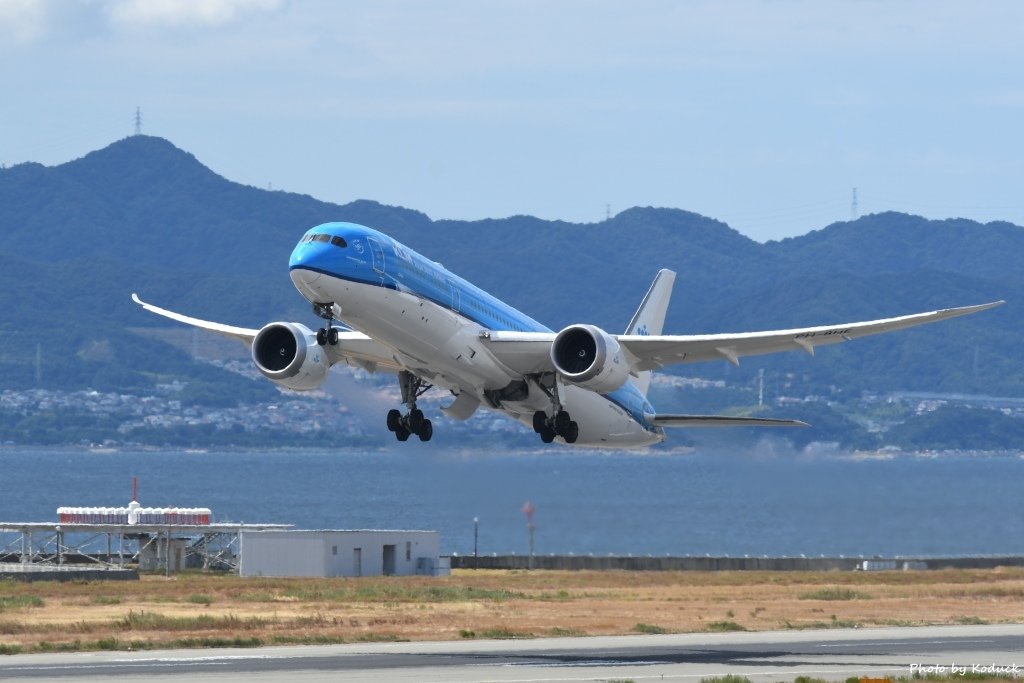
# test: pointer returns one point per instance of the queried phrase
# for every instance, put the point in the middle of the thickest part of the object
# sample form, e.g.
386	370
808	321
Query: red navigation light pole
528	511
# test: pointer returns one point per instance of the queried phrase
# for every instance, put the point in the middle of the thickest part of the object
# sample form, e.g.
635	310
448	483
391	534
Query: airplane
386	307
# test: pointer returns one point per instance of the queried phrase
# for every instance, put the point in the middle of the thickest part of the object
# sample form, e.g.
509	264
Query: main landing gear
326	335
412	422
559	423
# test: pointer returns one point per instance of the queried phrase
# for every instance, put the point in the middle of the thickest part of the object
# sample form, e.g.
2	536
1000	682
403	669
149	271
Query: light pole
476	539
528	511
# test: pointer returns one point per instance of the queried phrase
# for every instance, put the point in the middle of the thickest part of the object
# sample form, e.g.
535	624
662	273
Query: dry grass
197	610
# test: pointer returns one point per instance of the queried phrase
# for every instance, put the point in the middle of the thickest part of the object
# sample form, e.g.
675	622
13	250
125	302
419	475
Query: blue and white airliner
387	307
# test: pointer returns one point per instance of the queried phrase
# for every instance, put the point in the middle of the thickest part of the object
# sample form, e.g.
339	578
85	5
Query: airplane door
378	255
456	297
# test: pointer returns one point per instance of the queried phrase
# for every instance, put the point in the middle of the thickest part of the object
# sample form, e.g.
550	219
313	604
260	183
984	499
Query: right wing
354	348
656	352
720	421
529	352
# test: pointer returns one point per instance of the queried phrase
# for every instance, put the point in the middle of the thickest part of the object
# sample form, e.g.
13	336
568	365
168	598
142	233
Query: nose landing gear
327	335
412	422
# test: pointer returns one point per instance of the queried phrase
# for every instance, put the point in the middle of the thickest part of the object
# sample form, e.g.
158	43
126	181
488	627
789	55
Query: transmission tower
853	206
138	120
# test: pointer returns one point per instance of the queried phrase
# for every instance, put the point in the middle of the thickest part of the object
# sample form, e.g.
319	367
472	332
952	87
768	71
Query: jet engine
287	354
590	357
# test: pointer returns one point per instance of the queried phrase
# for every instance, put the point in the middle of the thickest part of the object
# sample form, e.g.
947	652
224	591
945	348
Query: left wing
354	348
242	334
529	352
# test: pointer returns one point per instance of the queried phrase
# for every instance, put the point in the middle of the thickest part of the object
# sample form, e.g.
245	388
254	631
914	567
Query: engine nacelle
288	355
590	357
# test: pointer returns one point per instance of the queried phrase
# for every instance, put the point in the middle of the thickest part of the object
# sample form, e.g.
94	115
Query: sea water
584	502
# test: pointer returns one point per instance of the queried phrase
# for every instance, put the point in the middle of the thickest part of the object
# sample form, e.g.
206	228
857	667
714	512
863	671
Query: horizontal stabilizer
721	421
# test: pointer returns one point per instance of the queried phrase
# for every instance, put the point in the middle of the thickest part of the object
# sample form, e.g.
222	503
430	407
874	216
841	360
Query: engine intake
288	355
588	356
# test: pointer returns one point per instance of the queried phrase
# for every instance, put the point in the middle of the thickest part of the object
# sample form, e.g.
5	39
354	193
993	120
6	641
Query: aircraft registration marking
826	333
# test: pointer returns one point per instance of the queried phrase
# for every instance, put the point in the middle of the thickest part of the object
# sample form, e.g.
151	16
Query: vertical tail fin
649	319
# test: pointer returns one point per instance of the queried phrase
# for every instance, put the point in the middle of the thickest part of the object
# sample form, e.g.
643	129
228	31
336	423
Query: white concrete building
340	553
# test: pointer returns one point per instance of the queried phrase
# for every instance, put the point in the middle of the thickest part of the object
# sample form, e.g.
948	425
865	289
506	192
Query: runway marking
150	661
670	676
955	641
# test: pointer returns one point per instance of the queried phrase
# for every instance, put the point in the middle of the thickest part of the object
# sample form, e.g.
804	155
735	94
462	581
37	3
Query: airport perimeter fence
628	563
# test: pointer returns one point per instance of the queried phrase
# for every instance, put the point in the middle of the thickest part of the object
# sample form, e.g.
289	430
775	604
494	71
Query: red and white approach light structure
135	514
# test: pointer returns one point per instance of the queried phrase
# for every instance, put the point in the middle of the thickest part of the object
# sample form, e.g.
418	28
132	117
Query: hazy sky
763	114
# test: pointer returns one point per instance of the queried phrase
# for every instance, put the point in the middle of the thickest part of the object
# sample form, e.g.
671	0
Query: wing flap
526	353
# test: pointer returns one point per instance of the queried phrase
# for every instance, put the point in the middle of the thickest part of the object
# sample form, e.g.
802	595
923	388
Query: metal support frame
112	546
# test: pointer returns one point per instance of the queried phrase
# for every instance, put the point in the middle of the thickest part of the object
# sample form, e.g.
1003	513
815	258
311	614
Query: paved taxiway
765	656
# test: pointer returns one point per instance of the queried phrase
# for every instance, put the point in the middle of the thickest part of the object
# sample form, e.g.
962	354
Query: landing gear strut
329	334
412	422
559	423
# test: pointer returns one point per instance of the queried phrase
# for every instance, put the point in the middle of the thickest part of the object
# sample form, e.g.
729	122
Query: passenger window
338	242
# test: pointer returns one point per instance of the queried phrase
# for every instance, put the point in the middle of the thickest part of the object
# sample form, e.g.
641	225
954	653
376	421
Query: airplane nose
303	270
304	278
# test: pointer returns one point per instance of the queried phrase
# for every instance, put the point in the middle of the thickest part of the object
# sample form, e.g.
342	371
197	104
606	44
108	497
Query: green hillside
142	215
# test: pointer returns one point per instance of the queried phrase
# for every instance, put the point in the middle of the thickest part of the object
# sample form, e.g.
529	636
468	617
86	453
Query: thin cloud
23	21
185	13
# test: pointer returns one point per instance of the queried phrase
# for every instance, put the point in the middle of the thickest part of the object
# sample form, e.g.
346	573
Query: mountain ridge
143	215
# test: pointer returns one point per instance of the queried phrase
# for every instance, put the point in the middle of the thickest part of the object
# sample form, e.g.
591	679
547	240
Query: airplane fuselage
436	325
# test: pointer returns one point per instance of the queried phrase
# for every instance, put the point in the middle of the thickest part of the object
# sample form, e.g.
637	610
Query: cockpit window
320	237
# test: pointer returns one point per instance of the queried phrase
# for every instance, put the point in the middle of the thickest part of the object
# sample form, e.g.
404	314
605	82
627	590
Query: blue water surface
585	502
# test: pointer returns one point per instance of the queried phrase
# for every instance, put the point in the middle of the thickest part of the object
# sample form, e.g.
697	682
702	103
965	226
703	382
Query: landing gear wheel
413	422
332	336
321	336
426	431
562	421
540	421
547	435
571	433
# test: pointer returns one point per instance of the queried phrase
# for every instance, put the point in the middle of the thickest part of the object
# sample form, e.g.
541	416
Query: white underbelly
444	349
429	340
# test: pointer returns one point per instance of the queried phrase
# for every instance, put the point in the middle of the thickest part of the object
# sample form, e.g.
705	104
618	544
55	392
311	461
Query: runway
765	656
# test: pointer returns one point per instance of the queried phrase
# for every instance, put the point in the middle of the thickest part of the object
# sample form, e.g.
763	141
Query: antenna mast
853	206
138	120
